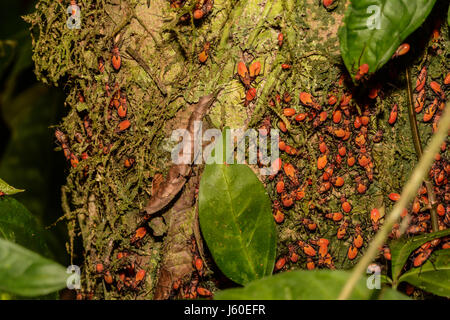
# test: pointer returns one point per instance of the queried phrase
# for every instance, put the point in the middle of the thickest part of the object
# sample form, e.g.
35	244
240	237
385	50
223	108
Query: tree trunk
116	171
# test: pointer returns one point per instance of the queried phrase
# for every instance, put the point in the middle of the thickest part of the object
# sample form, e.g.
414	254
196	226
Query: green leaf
402	248
28	274
433	276
236	221
303	285
376	45
7	189
17	224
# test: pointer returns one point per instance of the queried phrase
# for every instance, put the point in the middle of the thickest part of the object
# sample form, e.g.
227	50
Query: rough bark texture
159	81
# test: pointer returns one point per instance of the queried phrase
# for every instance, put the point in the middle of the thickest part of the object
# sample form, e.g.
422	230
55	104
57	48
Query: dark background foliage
28	110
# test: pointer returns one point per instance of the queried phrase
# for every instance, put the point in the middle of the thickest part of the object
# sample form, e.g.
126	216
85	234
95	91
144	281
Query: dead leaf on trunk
178	173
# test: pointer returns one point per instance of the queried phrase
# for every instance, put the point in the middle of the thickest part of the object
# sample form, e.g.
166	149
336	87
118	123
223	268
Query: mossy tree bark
160	81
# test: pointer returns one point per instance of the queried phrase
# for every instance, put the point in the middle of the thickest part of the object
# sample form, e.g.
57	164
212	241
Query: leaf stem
408	193
419	153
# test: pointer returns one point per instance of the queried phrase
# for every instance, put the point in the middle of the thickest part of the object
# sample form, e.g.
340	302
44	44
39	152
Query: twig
408	193
145	66
419	152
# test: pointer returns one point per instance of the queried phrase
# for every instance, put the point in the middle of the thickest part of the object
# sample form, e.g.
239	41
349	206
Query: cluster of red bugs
344	146
129	275
351	149
438	175
316	253
247	76
192	290
118	102
125	273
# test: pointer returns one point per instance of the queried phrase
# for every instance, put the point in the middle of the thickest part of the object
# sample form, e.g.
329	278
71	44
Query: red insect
394	196
300	117
108	278
436	87
337	116
358	239
352	252
336	216
402	50
322	162
101	64
363	70
254	70
310	264
244	74
249	96
447	79
122	111
346	206
280	39
280	263
140	233
278	216
198	14
280	186
203	56
332	100
124	125
288	112
307	249
430	111
128	163
393	115
204	292
116	60
375	216
327	3
99	268
421	79
285	66
73	160
342	230
420	101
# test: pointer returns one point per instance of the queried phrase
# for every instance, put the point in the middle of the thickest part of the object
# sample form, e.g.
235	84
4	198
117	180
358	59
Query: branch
147	69
419	153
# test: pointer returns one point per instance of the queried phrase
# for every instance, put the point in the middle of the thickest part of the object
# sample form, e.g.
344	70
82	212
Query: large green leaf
236	222
402	248
17	224
304	285
7	189
28	274
433	276
375	46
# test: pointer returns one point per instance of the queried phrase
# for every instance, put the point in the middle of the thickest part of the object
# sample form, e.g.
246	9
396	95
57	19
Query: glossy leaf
374	29
236	221
433	276
7	189
18	225
402	248
28	274
304	285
